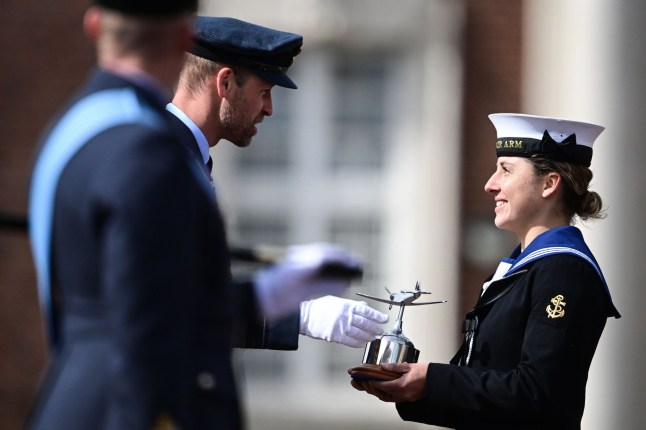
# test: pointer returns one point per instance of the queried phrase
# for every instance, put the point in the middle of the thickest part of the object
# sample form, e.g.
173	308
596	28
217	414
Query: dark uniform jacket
251	331
528	346
141	285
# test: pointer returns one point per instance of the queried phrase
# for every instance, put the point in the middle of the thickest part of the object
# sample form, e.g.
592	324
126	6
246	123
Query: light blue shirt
202	143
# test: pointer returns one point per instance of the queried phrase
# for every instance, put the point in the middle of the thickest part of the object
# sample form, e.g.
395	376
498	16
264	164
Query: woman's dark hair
577	199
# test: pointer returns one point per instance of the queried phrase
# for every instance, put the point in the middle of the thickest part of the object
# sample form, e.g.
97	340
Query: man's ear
92	23
551	184
187	38
224	81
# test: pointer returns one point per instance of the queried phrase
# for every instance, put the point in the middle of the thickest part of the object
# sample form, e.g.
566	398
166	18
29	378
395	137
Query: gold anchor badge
557	311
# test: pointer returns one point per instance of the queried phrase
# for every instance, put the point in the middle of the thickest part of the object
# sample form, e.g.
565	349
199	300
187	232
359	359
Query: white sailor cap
520	135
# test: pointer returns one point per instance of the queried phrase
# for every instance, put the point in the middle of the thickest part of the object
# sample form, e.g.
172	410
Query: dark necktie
209	166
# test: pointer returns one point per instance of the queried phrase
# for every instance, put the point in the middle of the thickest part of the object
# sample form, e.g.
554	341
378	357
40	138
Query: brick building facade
46	56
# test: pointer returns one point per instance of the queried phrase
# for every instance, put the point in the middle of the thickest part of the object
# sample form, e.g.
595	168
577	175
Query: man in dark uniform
133	270
224	91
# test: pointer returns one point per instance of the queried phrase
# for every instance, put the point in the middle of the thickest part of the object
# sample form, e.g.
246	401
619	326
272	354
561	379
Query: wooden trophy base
372	372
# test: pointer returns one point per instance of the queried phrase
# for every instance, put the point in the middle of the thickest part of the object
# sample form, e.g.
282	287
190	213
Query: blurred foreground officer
223	93
128	248
532	334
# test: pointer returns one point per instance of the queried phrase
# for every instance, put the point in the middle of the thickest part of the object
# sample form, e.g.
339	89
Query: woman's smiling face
518	195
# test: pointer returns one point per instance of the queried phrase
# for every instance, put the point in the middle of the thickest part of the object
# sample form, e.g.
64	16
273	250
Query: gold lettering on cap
514	144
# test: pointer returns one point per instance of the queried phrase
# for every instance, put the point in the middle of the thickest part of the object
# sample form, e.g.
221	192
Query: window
360	83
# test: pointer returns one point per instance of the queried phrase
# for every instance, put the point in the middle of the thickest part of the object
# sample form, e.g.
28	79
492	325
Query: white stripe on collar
553	250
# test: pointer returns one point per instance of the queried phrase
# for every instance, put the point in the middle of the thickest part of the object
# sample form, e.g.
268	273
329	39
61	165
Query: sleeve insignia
557	308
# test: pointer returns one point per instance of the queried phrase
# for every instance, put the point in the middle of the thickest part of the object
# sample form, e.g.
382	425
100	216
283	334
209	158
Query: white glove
344	321
307	272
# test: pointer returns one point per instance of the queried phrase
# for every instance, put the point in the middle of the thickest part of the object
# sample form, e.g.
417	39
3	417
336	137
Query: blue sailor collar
559	240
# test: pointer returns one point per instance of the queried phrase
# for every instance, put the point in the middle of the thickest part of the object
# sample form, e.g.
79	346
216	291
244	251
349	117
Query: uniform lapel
497	289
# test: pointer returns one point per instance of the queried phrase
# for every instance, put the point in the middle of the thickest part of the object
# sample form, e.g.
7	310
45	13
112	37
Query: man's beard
238	131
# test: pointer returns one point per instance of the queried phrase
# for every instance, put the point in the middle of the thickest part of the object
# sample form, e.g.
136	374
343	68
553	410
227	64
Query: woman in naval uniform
530	339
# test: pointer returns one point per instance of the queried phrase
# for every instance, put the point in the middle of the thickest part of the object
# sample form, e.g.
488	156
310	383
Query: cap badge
558	308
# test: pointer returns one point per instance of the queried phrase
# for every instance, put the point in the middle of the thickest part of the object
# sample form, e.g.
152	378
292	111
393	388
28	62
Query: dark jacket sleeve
253	331
143	188
422	411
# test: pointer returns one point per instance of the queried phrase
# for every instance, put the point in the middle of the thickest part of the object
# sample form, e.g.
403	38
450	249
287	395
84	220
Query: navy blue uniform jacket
250	331
141	283
529	363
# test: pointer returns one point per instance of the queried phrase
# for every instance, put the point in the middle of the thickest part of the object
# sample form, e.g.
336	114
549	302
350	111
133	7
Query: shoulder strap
86	119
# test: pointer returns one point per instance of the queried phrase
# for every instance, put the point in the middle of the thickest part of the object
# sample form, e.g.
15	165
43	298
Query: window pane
359	112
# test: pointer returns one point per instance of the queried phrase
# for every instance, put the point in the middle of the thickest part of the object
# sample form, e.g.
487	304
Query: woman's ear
551	184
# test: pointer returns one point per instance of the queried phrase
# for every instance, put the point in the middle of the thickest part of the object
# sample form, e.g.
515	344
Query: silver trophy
393	346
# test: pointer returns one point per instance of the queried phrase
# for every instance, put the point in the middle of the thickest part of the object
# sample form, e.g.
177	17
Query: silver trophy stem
400	321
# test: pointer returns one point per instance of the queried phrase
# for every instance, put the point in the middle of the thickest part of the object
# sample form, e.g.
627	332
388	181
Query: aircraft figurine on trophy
393	346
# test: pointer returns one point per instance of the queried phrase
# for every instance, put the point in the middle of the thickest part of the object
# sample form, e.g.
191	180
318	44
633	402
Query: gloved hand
344	321
307	272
